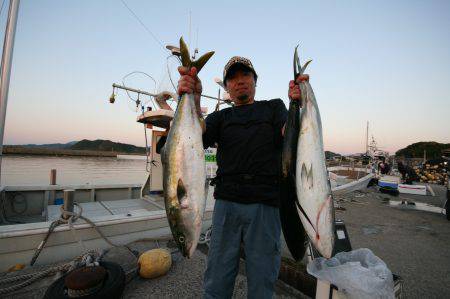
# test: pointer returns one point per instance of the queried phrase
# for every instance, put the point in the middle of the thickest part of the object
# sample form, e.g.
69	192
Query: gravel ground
185	279
414	244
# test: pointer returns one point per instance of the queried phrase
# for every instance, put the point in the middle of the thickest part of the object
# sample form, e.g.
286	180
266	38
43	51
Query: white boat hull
353	185
121	220
19	242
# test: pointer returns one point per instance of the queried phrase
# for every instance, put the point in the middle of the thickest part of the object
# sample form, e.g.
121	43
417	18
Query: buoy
16	267
154	263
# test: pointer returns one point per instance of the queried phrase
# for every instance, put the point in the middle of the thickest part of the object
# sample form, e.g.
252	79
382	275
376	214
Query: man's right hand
189	81
191	84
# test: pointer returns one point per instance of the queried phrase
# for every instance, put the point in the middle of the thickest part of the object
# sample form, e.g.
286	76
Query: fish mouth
189	249
326	250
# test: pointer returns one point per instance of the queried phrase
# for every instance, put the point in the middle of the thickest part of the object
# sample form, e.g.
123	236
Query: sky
382	62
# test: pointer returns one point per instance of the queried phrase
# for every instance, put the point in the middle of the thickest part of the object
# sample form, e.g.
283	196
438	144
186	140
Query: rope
205	238
71	217
90	258
29	280
143	25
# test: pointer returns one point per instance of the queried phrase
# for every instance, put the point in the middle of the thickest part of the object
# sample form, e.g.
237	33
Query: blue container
59	201
387	184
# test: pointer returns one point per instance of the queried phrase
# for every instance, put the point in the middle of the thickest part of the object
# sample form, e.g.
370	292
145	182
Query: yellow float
154	263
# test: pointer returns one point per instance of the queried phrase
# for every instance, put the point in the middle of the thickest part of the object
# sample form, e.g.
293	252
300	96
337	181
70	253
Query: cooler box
412	189
389	181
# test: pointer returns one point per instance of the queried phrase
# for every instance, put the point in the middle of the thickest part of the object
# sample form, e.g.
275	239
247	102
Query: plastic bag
358	274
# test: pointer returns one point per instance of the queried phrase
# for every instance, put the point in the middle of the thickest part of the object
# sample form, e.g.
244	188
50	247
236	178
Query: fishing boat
346	179
118	211
50	223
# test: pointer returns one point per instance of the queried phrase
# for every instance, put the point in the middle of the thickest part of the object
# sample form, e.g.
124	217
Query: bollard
68	202
53	177
52	193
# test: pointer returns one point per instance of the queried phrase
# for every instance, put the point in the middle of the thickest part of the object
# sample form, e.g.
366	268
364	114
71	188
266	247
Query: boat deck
95	209
111	207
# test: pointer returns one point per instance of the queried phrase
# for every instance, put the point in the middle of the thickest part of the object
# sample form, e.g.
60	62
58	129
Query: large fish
293	231
184	171
315	207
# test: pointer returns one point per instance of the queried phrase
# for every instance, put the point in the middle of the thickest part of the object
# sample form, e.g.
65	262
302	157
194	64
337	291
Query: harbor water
35	170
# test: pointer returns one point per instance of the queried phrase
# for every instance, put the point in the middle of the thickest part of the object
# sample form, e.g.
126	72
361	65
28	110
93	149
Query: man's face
241	87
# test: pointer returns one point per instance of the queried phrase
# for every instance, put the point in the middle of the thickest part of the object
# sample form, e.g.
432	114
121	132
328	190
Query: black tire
112	287
389	190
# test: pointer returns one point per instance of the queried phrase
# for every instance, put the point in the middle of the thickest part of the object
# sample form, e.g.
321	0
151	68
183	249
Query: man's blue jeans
258	227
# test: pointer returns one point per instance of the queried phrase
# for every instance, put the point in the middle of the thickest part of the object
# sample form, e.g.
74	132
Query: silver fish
315	206
184	171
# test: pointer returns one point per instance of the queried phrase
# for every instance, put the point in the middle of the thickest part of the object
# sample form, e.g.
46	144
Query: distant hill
416	150
107	145
51	145
331	155
83	145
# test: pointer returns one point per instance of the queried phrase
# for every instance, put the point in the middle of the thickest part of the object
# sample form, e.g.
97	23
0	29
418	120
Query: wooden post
68	202
53	177
52	193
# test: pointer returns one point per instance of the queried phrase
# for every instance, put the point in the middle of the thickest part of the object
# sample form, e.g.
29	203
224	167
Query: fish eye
181	239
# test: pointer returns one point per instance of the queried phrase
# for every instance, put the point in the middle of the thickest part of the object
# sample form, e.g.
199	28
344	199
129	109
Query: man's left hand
294	88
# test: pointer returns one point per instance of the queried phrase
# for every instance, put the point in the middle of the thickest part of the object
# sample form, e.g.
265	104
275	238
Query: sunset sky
386	62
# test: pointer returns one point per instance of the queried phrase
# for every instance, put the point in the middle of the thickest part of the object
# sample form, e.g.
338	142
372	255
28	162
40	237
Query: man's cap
235	61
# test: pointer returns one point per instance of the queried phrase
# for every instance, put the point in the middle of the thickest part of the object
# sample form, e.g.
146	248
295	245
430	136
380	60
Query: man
249	140
408	174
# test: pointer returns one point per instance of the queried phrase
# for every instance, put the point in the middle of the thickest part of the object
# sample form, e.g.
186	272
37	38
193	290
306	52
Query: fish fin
307	177
199	63
298	68
185	56
296	63
181	194
310	178
303	174
304	67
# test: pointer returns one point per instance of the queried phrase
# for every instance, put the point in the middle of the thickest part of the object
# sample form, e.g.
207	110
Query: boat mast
5	67
367	138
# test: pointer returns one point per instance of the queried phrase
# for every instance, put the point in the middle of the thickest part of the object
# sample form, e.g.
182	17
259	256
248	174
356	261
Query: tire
112	287
389	190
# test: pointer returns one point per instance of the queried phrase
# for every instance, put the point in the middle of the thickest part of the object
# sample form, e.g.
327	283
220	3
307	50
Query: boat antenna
196	46
190	38
190	26
367	138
